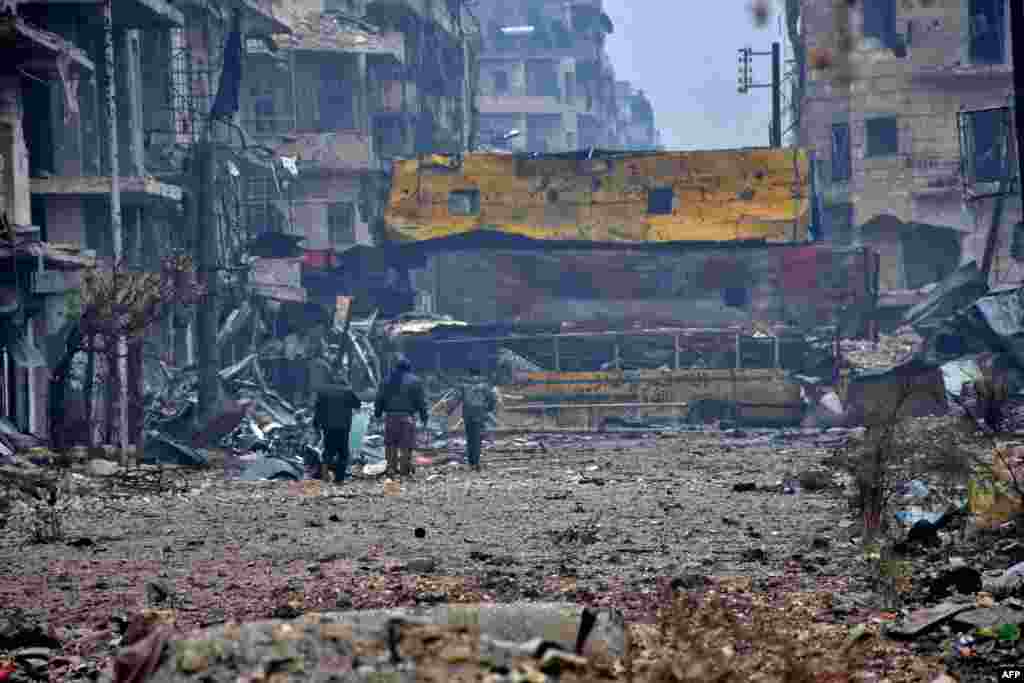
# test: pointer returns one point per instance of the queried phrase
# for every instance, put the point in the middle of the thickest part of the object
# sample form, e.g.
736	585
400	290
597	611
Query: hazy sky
685	60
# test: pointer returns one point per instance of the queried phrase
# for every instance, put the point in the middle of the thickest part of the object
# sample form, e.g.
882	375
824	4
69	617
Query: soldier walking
479	400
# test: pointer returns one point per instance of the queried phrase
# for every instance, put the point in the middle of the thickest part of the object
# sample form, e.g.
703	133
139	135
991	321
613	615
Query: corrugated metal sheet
719	195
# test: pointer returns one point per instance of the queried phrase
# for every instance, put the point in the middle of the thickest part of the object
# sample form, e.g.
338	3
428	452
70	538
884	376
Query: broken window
464	202
262	98
337	110
501	83
542	132
990	135
882	136
839	224
542	79
341	224
880	21
388	136
659	201
987	31
841	166
985	147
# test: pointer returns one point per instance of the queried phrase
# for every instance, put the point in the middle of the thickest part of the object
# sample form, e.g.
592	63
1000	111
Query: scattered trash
913	489
375	469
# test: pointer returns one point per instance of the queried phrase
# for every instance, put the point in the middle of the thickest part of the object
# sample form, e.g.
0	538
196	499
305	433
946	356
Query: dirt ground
589	519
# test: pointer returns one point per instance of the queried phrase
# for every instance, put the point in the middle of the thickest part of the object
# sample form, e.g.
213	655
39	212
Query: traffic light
743	84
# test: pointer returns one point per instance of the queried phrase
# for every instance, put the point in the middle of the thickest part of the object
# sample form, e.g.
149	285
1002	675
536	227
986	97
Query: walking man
401	398
335	403
479	400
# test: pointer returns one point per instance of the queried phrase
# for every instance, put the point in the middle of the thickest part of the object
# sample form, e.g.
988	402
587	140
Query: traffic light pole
746	84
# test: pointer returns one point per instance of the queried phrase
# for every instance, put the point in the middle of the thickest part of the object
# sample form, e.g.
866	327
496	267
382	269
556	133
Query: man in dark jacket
401	398
335	403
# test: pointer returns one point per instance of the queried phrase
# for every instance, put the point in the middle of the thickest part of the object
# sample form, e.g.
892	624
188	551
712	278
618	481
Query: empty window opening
464	202
880	21
341	224
736	297
987	31
839	224
501	86
989	133
841	166
659	201
336	104
882	136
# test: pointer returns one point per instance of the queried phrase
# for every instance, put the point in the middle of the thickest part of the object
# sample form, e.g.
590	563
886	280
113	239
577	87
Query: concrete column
362	96
129	81
14	174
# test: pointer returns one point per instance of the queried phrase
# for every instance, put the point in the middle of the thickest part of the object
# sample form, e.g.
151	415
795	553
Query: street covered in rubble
391	340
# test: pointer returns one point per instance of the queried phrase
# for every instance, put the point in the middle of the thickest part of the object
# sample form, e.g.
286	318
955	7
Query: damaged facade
167	68
544	72
635	128
353	87
883	126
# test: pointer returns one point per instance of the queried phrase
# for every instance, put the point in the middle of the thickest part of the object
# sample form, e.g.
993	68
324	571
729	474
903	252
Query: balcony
133	190
522	104
125	13
966	75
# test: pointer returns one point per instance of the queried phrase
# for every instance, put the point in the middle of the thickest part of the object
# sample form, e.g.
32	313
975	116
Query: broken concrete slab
161	450
990	617
923	620
515	622
327	643
272	469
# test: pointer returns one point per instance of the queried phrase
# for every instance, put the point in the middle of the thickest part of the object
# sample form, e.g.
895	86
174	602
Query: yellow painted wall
605	199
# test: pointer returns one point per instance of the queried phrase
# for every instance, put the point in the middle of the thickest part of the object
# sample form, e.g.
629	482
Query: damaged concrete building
910	130
355	86
167	67
614	274
37	280
544	73
635	128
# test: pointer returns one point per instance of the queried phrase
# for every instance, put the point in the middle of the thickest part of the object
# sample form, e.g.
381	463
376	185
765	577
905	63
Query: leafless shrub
987	418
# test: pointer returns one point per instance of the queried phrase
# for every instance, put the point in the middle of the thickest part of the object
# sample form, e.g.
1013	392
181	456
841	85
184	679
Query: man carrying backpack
335	403
479	399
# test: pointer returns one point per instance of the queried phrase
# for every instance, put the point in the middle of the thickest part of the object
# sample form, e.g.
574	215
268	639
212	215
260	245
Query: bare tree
117	302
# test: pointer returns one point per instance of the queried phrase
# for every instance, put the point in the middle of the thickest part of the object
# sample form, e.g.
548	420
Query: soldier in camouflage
479	400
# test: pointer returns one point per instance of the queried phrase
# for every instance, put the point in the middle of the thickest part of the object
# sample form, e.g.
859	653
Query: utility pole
776	135
746	84
117	234
207	316
1017	34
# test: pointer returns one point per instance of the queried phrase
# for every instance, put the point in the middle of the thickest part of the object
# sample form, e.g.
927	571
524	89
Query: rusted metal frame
570	406
584	335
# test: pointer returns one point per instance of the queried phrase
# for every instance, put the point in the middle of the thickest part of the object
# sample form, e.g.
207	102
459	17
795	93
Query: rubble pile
889	351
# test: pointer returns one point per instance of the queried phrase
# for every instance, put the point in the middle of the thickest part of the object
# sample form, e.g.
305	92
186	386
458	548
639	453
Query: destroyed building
635	128
167	63
353	87
910	129
573	269
546	83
